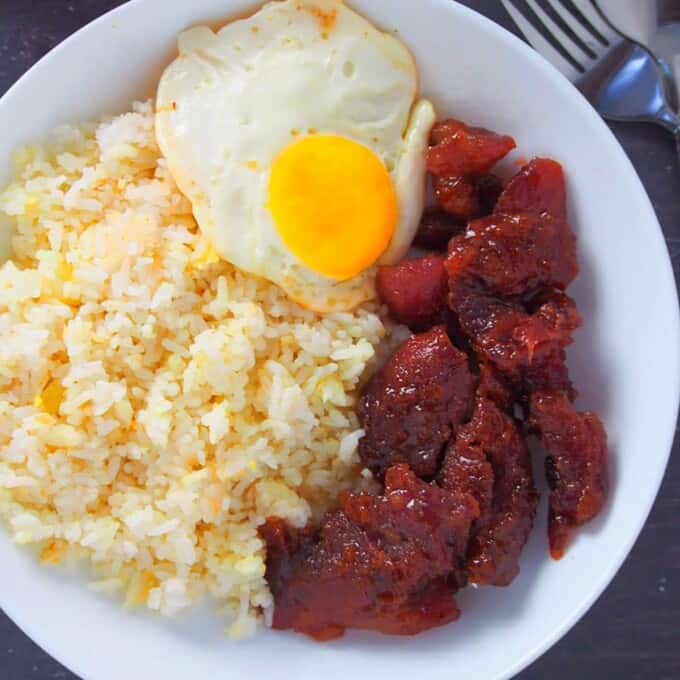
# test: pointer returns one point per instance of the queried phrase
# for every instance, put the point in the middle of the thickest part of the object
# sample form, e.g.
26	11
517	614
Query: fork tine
539	43
568	45
592	14
576	26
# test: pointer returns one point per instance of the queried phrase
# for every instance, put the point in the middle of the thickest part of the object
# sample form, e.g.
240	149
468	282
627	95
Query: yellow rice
156	405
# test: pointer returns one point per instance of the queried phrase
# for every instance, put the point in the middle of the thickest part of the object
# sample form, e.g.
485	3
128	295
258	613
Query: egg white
232	101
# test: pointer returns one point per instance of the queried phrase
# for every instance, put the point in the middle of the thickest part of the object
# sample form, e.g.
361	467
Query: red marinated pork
460	150
548	372
467	198
538	188
576	466
490	460
489	189
436	230
411	407
414	291
514	255
392	562
457	196
504	333
495	387
389	563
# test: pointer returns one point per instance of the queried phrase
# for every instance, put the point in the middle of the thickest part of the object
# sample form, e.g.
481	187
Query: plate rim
665	274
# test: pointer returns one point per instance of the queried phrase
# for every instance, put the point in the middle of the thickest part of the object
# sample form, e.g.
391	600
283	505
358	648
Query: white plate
625	362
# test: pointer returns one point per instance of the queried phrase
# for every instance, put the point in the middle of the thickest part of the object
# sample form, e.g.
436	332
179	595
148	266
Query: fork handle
671	121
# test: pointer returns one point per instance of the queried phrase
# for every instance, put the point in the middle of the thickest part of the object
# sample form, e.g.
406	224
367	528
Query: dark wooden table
633	632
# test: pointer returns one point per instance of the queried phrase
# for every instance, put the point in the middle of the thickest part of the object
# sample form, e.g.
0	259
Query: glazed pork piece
539	188
415	291
436	229
460	160
576	466
504	333
489	459
459	150
466	198
412	406
513	255
389	563
494	386
547	372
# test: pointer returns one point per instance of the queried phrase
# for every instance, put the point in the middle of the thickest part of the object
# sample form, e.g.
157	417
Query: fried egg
299	139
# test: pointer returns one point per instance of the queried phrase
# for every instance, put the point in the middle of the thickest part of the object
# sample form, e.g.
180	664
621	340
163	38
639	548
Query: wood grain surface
633	631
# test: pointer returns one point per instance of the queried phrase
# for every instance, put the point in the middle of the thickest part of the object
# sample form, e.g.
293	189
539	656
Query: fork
655	24
621	79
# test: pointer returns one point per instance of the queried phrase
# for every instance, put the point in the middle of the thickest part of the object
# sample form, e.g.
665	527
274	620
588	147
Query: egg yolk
333	204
